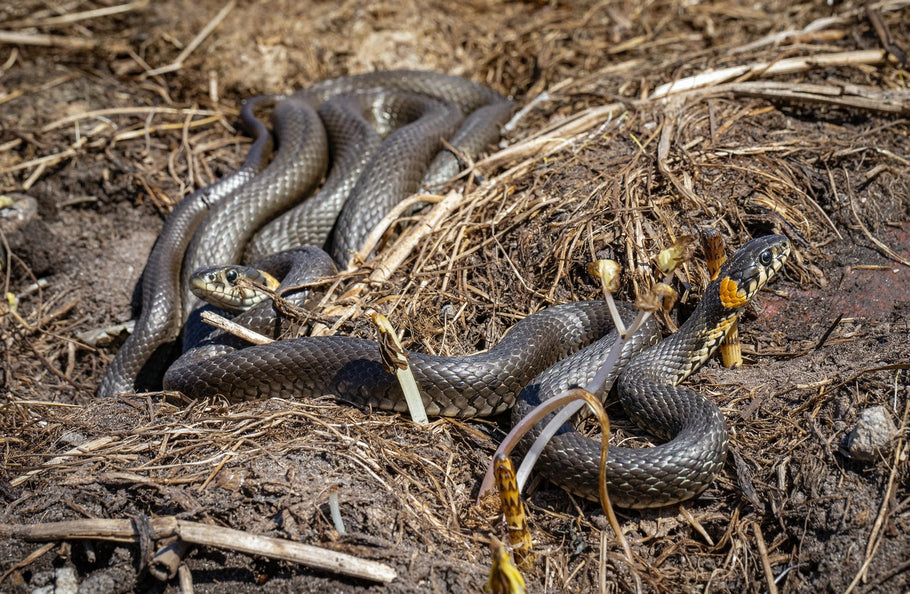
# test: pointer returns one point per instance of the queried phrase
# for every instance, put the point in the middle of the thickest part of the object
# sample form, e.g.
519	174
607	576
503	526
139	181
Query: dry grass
643	123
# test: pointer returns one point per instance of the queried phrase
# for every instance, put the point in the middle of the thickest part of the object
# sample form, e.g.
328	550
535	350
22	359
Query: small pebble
872	435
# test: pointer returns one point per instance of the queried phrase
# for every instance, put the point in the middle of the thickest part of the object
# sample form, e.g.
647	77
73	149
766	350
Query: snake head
231	287
750	269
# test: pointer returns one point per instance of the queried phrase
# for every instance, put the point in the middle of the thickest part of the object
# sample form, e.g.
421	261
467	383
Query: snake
543	355
382	133
394	122
161	317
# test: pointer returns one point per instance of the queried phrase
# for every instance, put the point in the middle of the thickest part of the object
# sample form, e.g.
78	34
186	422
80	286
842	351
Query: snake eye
766	257
231	275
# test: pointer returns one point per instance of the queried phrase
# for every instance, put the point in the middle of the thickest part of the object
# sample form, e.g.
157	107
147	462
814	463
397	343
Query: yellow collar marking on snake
730	294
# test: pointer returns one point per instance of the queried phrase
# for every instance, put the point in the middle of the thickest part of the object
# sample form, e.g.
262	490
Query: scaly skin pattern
571	342
206	230
350	368
162	312
685	465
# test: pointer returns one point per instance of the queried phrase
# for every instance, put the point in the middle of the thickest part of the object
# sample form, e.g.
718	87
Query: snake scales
383	134
560	347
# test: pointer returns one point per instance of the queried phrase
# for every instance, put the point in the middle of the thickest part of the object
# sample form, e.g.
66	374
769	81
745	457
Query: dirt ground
806	133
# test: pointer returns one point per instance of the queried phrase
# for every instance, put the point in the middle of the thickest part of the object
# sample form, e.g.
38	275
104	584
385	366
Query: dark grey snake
381	130
560	347
542	356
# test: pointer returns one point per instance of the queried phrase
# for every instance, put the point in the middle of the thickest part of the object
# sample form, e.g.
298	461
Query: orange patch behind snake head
731	295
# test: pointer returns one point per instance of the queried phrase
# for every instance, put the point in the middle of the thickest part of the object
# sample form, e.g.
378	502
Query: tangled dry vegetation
639	123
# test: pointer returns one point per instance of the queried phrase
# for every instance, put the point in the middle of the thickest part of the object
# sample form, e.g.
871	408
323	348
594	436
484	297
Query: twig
95	444
376	233
185	576
231	327
28	560
388	263
112	111
845	95
884	35
816	26
74	17
167	560
41	161
177	64
786	66
43	40
206	534
765	562
888	251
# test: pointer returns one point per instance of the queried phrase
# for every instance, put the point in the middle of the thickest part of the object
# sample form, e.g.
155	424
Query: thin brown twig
75	17
177	64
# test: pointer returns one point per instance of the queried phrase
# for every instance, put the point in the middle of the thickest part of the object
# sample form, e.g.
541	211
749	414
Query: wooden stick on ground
205	534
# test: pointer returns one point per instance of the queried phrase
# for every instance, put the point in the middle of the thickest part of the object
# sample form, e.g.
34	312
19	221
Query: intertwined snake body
558	348
383	131
542	356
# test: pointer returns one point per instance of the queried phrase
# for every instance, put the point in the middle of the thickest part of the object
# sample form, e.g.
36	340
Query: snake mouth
220	286
750	269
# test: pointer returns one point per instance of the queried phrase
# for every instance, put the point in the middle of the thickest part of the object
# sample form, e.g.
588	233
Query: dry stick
186	579
844	95
46	160
552	138
90	446
765	562
376	233
887	250
205	534
28	560
884	35
76	43
786	66
186	125
80	16
663	151
177	64
231	327
818	25
112	111
384	266
168	559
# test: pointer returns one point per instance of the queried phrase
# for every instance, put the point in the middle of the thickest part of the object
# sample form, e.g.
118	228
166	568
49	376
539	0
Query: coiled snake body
347	117
542	356
547	352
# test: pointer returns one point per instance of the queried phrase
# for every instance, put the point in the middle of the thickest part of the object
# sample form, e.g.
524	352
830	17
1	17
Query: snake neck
676	357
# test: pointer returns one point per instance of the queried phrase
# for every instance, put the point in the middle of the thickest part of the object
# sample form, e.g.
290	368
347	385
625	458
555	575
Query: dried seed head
666	294
648	302
669	259
608	273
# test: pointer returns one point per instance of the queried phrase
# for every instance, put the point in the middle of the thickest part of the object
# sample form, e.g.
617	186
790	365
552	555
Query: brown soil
790	511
